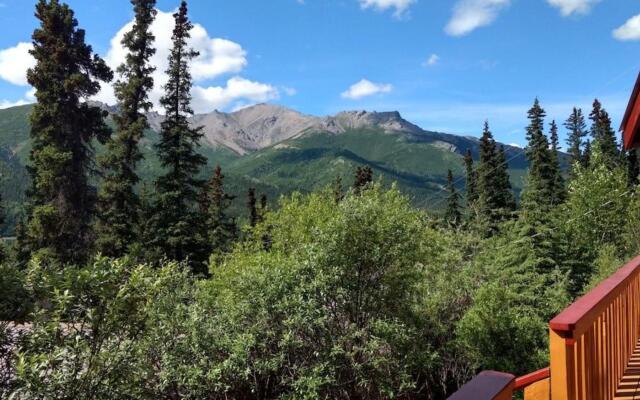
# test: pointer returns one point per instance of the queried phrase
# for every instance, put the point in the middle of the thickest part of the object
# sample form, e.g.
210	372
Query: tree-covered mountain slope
278	151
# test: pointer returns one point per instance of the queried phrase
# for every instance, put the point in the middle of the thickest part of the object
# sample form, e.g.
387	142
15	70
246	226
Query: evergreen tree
221	227
586	155
472	179
541	179
177	219
363	178
63	127
604	135
452	215
495	199
505	193
117	201
338	193
263	207
254	217
577	128
558	191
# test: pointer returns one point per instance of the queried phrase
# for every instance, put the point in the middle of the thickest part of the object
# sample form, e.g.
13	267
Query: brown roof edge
632	102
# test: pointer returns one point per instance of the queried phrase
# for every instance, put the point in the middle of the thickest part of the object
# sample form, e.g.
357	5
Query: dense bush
84	341
364	298
334	308
15	302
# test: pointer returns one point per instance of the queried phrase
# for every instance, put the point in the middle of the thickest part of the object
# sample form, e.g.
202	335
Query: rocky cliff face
263	125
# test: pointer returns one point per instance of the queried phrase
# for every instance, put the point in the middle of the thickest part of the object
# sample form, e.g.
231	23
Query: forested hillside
132	277
306	158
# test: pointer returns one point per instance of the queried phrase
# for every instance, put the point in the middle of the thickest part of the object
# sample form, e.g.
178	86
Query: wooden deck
629	388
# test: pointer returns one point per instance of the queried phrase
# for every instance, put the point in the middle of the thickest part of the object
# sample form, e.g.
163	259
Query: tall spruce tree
471	185
495	199
178	189
221	226
363	178
505	191
452	216
263	207
63	127
604	136
558	192
541	179
252	201
577	128
117	199
586	155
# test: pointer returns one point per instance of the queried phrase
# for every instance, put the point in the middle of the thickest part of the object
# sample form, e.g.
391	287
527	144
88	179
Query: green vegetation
334	293
176	222
61	199
303	164
118	203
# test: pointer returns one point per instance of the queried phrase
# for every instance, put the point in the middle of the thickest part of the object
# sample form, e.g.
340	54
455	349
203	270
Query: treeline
134	292
67	220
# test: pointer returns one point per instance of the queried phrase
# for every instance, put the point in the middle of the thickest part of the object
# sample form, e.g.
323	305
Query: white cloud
469	15
28	98
8	104
570	7
400	6
14	63
218	57
207	98
432	60
366	88
630	30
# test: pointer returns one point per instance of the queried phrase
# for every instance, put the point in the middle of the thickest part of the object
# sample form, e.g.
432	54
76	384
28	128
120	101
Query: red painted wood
630	122
579	315
632	127
526	380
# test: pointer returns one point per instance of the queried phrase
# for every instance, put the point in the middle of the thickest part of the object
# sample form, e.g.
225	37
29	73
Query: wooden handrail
529	379
590	345
592	340
574	320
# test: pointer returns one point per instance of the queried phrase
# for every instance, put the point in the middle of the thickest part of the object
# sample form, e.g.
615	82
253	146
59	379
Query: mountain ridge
263	125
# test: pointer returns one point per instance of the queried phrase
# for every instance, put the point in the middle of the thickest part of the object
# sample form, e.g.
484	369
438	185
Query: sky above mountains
444	64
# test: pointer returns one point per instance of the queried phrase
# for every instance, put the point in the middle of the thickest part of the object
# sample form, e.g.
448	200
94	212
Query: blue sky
444	64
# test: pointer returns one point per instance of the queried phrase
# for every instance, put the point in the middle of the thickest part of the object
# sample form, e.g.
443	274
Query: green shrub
15	301
84	342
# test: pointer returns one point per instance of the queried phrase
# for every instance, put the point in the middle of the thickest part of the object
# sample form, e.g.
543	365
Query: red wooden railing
590	346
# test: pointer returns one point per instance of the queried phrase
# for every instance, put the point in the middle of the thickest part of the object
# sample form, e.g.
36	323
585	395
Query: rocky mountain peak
389	121
263	125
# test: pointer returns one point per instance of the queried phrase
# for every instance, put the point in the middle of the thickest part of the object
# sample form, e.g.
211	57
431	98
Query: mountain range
278	150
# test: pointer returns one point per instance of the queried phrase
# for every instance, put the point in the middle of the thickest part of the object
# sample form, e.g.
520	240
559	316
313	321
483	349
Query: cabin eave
630	126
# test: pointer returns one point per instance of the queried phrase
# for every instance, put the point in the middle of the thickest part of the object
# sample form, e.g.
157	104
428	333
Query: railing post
562	365
487	385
